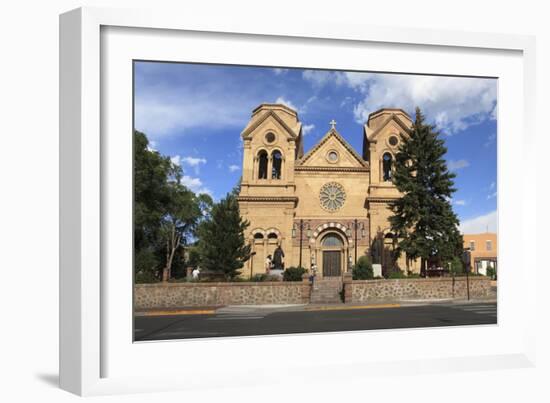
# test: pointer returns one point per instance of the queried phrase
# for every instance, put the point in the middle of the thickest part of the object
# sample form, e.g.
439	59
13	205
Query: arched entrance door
333	254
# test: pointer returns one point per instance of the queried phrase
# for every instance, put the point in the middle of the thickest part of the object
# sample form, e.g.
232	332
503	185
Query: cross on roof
332	124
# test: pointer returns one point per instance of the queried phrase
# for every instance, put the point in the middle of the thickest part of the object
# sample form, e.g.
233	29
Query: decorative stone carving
332	196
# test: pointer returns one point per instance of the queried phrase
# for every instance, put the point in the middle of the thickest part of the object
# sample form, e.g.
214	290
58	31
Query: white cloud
452	103
459	202
456	165
191	183
346	101
307	128
286	102
195	184
278	71
193	162
233	168
176	160
320	78
480	224
164	110
491	195
490	139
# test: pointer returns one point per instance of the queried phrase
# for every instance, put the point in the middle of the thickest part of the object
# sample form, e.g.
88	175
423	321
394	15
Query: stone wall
179	295
417	288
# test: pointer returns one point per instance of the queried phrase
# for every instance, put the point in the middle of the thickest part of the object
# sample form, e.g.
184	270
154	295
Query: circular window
270	137
332	196
393	141
332	156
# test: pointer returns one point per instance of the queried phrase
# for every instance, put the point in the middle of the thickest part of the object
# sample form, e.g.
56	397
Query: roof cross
333	124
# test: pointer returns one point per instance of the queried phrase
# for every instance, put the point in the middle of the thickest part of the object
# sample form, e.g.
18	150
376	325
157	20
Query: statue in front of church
376	252
278	259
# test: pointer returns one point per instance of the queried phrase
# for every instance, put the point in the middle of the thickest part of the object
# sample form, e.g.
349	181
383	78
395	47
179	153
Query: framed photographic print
229	187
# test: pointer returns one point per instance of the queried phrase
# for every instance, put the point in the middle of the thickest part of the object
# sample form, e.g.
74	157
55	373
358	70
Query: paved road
263	322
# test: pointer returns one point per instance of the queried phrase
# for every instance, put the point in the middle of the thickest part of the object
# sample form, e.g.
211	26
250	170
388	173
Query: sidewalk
212	310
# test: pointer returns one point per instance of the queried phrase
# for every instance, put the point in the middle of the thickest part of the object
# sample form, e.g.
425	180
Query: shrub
397	274
263	277
146	266
363	269
491	272
456	266
293	274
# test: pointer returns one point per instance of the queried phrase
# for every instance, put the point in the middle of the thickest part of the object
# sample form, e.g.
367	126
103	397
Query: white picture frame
89	338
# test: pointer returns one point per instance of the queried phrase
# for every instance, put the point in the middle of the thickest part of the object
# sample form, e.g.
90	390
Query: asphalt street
247	322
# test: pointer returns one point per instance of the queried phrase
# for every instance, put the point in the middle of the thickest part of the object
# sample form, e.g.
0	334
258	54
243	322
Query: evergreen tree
166	213
183	213
151	195
423	218
222	245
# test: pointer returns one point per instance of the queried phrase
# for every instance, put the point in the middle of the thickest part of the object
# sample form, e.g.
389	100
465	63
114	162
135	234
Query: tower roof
280	107
388	111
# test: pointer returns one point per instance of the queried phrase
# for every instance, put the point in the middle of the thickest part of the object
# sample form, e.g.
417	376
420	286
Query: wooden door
331	263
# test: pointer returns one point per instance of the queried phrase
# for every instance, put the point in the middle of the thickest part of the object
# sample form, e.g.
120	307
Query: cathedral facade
327	207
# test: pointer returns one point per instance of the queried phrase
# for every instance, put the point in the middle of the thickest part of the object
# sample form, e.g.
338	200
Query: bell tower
272	142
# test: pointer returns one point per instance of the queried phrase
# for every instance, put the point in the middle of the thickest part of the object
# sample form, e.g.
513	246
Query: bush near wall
293	274
363	269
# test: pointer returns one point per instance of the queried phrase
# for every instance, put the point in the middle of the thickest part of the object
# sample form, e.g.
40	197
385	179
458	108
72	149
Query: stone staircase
326	291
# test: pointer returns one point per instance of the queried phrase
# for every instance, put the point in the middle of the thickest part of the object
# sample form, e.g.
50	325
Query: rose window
332	196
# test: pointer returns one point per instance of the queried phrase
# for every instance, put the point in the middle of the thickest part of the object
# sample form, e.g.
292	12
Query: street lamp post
355	225
355	242
301	227
252	262
466	259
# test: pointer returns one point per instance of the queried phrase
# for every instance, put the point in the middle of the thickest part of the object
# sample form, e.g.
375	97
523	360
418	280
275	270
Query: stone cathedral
326	207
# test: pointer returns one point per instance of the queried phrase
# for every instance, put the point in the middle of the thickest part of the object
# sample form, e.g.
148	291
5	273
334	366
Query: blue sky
194	113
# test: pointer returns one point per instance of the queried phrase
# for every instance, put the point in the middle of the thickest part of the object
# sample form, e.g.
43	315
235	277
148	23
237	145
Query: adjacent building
483	251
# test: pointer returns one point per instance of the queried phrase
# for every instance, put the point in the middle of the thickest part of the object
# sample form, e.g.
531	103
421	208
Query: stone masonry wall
179	295
422	288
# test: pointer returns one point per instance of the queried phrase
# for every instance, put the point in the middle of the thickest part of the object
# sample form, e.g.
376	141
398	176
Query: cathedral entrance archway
332	249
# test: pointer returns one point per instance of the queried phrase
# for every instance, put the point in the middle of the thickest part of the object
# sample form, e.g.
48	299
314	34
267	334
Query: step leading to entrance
326	291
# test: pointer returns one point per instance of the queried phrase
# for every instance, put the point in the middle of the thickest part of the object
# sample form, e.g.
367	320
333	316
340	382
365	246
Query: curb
176	312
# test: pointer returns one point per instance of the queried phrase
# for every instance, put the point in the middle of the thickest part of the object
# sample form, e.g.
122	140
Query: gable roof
330	134
294	132
393	117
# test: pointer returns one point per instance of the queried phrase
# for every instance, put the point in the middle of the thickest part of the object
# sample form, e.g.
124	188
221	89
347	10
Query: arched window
272	235
387	162
332	240
277	164
262	164
258	235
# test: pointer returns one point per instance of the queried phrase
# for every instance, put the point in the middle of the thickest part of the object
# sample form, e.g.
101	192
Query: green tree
151	195
457	266
423	218
183	213
222	245
166	213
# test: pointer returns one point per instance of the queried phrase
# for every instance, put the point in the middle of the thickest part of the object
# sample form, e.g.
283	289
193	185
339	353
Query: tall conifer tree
222	245
423	219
